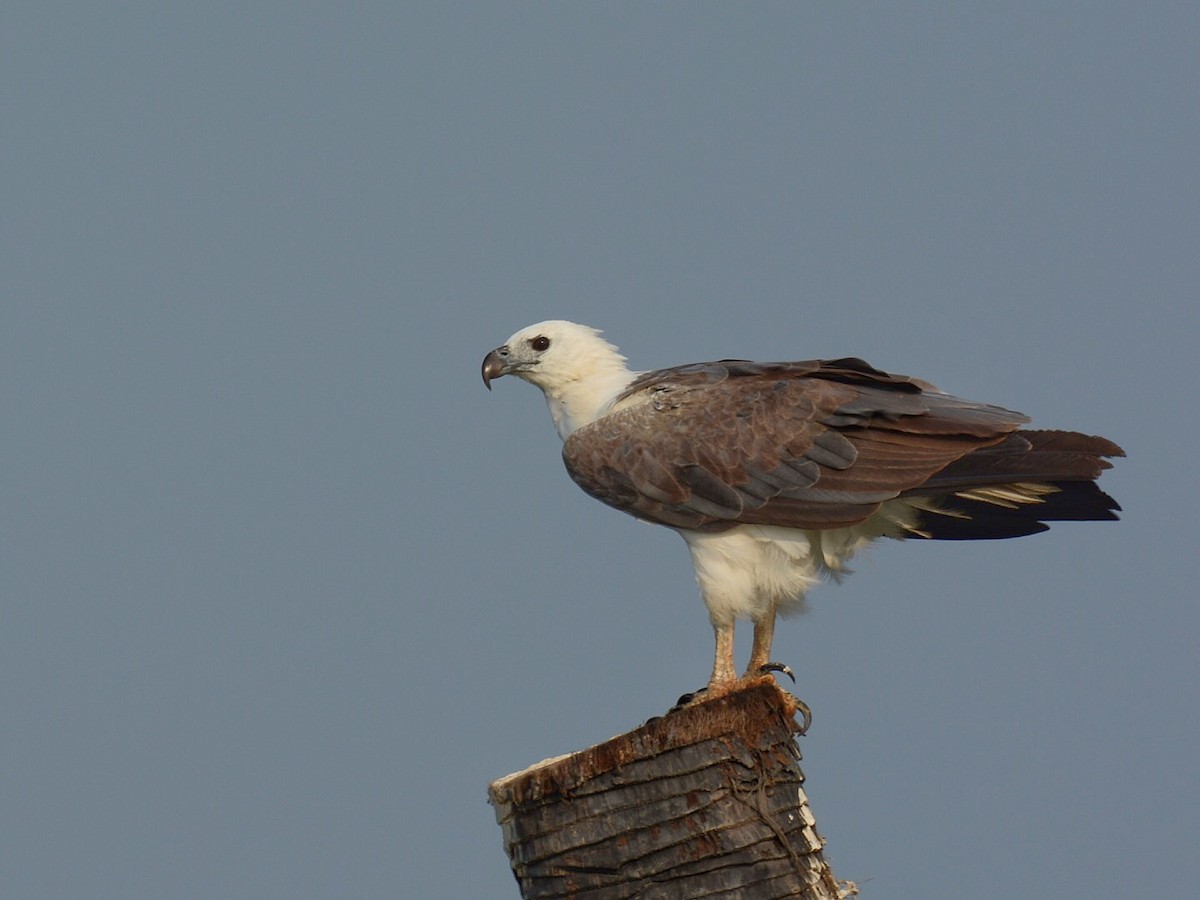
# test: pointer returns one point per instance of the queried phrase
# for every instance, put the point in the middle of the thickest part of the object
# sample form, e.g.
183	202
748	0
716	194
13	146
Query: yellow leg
760	650
723	671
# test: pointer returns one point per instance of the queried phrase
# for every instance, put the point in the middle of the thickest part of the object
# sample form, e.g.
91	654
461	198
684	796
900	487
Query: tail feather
1015	487
1029	456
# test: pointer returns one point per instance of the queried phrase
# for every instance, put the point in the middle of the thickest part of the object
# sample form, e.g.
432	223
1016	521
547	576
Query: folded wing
822	444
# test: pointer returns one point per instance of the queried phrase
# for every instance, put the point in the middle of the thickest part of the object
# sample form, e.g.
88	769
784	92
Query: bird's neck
580	402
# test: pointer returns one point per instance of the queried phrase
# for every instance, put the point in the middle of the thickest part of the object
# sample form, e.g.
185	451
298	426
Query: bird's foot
801	706
716	688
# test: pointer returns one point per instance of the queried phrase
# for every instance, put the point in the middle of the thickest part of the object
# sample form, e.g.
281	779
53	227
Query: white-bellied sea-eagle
776	473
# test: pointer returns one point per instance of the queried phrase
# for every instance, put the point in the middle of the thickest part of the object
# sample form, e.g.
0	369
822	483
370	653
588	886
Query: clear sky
283	587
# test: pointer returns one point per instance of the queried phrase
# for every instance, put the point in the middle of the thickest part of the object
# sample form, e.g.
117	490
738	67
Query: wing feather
809	444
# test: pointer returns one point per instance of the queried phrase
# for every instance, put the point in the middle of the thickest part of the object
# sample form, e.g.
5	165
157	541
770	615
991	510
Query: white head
579	372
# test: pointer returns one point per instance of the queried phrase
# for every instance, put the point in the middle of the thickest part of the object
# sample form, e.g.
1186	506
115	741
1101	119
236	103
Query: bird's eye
539	343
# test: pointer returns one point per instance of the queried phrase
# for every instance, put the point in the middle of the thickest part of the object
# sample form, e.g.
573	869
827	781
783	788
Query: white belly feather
751	570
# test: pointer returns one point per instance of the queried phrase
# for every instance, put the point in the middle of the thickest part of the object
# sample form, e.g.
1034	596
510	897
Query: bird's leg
760	650
723	671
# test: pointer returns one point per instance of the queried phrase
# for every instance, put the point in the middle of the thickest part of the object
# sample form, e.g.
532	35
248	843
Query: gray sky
283	587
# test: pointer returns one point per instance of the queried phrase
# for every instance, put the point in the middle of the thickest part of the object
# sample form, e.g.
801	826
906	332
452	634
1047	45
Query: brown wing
804	445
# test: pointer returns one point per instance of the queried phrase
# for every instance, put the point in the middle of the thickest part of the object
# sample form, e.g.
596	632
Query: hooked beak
495	364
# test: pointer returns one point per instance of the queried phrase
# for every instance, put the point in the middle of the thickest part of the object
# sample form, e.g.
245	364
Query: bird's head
553	355
578	371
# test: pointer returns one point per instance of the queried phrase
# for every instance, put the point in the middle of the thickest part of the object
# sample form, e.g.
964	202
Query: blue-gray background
284	587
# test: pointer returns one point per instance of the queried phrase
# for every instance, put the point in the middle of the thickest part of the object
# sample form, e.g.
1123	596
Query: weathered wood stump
707	801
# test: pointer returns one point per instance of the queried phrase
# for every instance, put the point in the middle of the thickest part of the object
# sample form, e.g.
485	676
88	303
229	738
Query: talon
686	699
770	667
805	714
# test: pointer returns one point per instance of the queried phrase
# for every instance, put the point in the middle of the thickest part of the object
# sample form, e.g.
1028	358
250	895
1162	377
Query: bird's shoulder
731	374
730	386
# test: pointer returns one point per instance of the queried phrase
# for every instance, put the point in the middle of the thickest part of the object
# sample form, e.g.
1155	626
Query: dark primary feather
821	444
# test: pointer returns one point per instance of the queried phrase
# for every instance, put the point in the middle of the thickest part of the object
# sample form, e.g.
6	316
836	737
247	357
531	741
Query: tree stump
707	801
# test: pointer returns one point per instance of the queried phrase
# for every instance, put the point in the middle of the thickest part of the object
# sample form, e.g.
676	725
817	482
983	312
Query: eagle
776	473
